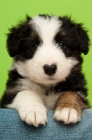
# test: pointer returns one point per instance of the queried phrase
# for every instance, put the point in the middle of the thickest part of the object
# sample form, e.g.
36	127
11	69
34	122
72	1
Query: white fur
67	115
30	107
48	53
32	102
34	68
32	89
46	27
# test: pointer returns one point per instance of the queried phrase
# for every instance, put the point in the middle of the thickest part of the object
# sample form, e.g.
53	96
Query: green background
11	11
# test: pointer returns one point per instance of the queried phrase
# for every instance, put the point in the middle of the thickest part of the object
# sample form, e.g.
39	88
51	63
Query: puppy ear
83	39
16	35
79	32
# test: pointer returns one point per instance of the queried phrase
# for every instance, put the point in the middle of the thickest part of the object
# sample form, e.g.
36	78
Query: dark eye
34	46
61	44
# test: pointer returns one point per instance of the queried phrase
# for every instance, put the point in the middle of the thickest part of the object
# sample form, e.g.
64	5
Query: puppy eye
61	44
34	46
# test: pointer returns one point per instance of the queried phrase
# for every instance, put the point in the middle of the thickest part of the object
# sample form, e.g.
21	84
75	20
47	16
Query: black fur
78	33
75	41
75	38
10	85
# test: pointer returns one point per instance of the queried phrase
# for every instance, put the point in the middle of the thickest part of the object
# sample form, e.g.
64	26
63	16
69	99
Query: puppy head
47	48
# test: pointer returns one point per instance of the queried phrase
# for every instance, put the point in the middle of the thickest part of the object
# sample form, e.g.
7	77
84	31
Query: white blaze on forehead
47	53
46	27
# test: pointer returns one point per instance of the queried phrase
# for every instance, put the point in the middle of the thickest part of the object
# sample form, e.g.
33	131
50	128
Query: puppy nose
50	69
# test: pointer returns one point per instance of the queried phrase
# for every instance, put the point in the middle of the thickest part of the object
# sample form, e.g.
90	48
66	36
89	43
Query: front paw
67	115
33	114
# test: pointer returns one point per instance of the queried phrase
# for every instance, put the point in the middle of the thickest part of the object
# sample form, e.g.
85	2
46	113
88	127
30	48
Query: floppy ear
15	36
83	39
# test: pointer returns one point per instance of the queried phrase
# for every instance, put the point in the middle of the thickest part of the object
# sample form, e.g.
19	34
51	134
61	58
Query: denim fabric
12	128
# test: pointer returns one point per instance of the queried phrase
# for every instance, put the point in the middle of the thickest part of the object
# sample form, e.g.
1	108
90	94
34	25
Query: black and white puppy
46	71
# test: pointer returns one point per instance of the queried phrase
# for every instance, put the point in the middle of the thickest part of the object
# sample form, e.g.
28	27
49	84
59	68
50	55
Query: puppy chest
50	100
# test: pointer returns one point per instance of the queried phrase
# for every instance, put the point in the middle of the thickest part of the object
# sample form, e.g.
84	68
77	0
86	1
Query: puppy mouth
51	78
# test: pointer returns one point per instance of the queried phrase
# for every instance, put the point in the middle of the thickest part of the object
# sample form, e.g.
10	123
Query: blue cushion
12	128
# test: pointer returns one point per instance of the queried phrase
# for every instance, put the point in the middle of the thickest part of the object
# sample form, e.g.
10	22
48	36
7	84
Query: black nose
50	69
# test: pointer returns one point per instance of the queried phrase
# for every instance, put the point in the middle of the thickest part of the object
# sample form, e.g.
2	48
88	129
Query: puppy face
47	48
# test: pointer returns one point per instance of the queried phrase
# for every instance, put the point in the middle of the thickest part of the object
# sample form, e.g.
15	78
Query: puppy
46	70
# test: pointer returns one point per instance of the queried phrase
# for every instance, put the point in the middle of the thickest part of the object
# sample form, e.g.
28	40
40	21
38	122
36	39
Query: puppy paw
67	115
33	115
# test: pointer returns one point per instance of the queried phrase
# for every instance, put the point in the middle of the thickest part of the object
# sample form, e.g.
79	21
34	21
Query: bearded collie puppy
46	70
